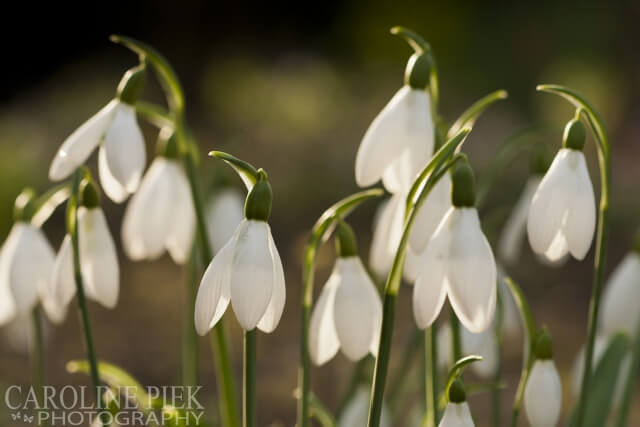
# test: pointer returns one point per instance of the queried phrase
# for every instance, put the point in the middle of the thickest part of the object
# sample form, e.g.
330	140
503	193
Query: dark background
291	87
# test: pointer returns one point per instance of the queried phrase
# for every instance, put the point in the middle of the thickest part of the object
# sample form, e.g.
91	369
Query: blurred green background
291	87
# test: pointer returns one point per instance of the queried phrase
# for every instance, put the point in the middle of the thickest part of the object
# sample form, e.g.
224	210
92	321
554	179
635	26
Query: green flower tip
24	206
89	194
258	203
418	71
463	193
574	135
167	144
132	84
543	348
346	243
457	393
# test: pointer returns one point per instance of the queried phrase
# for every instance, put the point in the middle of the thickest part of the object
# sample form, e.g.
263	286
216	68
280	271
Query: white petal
620	299
471	271
78	146
356	312
112	188
209	305
149	214
434	208
98	257
411	266
404	123
125	149
550	209
251	273
456	415
323	338
225	212
7	304
182	225
543	395
272	316
430	289
387	234
581	221
62	286
513	232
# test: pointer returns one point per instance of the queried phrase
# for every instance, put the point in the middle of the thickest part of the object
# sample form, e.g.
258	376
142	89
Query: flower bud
89	194
132	84
456	392
167	144
258	203
346	243
543	346
463	193
24	206
418	71
574	135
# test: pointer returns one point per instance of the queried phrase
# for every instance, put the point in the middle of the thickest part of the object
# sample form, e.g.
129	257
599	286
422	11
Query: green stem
249	406
497	375
604	159
429	179
189	336
456	340
631	382
228	405
37	356
82	302
431	377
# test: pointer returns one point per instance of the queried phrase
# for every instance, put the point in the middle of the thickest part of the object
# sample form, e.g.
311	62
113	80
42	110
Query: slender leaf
246	171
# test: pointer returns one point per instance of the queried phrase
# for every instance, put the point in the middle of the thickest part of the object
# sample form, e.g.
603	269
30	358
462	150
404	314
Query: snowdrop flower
457	412
26	261
510	243
114	128
543	392
247	272
621	295
224	212
348	314
562	216
458	263
160	215
356	412
97	253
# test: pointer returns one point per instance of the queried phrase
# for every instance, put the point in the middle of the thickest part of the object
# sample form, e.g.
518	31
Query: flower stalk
604	159
249	403
38	356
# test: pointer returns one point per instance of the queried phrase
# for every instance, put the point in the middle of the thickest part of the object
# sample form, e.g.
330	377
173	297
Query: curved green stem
530	327
72	228
249	403
320	412
604	159
319	234
458	368
424	183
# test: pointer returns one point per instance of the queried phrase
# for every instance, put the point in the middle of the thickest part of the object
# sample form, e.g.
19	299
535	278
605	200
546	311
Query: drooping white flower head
620	298
357	410
247	272
160	215
347	316
398	143
114	128
26	261
562	216
457	415
543	394
510	243
224	212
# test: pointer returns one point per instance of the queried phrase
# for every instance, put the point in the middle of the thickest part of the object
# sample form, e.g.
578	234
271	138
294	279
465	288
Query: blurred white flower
348	314
457	415
562	216
98	262
543	394
356	412
620	298
457	262
26	262
224	213
510	244
247	272
160	215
